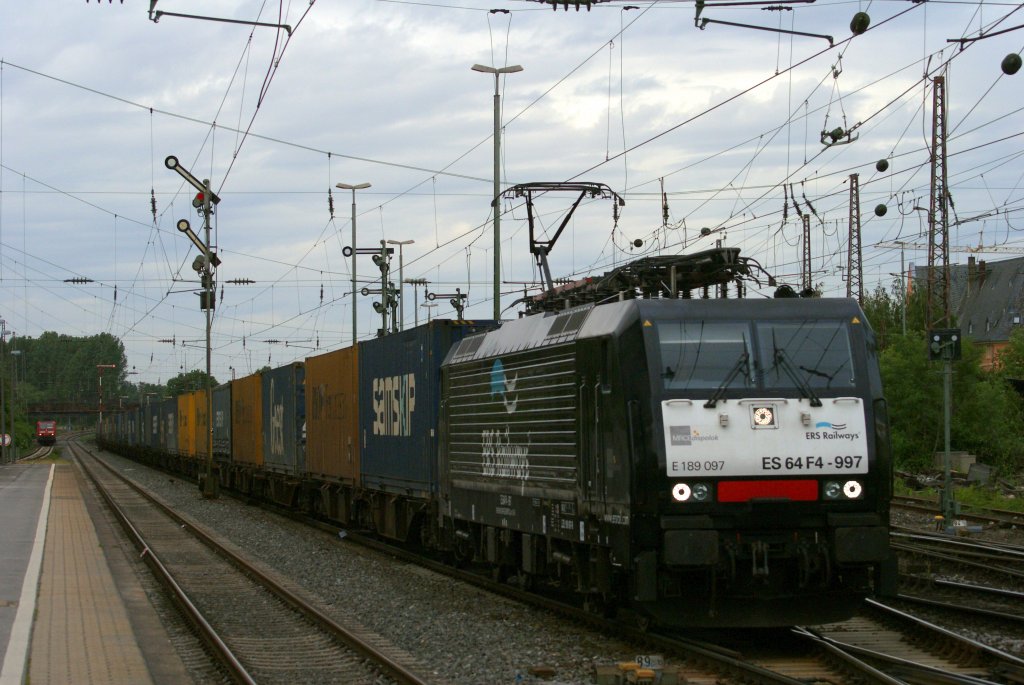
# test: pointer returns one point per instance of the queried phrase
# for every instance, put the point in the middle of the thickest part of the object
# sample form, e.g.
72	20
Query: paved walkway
82	632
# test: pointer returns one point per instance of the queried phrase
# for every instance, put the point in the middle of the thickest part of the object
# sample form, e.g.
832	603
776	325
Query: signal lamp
860	23
1011	64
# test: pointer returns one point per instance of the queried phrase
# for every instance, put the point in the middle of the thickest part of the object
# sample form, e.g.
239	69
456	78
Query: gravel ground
465	635
1008	639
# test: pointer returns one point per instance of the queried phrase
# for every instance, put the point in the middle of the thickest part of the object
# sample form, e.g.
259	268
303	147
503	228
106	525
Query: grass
974	496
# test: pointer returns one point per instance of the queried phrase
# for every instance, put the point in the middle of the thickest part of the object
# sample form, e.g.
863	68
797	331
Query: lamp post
15	355
353	188
99	369
429	306
495	203
416	297
3	425
401	282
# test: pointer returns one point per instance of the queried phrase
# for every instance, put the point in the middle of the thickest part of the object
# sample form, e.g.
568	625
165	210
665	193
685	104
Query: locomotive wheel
523	580
600	605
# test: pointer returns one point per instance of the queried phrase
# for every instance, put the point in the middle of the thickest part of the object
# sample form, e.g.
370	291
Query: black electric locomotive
702	462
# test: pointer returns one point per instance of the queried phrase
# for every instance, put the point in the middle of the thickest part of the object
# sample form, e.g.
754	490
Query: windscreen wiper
781	361
821	374
741	364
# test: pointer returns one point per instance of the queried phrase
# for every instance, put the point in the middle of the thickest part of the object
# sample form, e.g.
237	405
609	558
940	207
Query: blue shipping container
399	390
284	419
222	422
151	425
169	425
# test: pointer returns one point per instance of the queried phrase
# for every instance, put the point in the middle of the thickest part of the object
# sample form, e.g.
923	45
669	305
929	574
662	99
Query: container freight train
46	432
691	462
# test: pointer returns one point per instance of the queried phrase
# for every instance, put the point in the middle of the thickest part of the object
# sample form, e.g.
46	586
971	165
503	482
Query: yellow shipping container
187	424
247	420
332	415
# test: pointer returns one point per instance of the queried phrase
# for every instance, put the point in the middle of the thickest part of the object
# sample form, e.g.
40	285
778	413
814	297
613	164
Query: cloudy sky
719	127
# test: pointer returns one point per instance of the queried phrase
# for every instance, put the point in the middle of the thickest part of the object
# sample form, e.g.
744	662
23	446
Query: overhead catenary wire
293	269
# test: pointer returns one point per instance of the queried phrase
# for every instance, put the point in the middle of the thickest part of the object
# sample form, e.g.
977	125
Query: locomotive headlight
852	489
701	492
681	492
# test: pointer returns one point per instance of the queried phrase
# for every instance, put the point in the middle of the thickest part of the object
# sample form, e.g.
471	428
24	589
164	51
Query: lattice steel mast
854	267
937	304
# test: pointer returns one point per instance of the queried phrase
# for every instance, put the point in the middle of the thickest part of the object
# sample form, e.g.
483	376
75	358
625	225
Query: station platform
71	607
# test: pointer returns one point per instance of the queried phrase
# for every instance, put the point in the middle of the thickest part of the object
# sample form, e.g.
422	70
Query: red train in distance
46	432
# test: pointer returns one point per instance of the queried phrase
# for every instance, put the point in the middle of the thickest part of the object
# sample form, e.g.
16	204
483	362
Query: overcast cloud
94	96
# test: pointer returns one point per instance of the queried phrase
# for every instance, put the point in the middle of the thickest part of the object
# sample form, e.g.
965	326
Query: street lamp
495	202
416	297
353	188
99	369
401	282
15	355
3	426
429	306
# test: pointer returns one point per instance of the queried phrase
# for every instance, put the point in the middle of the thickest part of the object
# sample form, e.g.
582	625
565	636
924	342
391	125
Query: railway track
910	649
40	452
882	645
221	592
958	600
1002	518
868	649
927	553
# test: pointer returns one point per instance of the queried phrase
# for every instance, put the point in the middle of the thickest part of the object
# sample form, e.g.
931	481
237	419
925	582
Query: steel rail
999	656
206	631
350	638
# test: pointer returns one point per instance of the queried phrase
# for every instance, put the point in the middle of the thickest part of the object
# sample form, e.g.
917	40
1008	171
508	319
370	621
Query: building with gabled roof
987	299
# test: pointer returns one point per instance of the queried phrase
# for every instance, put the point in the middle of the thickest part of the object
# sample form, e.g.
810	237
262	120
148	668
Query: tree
189	381
62	368
885	313
1011	358
986	412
